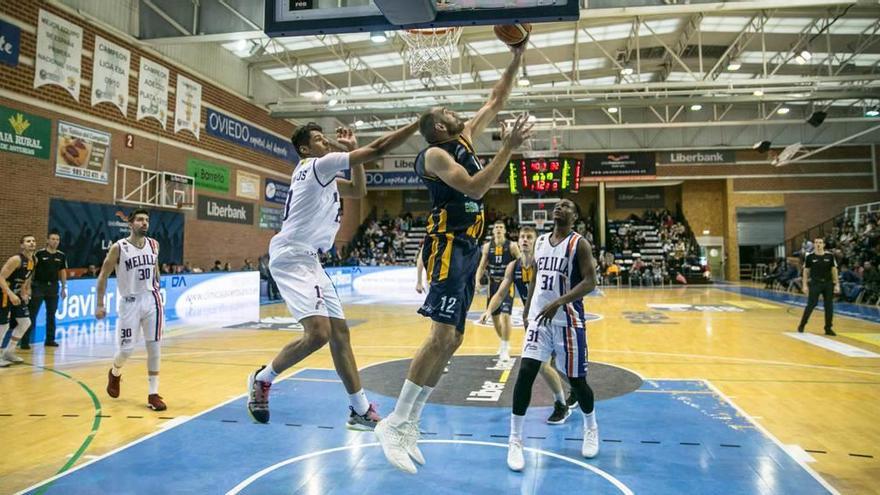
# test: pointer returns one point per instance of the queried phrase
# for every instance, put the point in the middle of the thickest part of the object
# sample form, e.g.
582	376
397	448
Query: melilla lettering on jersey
553	264
140	260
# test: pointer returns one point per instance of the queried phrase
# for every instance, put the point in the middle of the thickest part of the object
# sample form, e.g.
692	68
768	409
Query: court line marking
144	438
772	438
259	474
731	289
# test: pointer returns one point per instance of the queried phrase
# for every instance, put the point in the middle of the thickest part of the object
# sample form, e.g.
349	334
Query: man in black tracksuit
820	278
51	267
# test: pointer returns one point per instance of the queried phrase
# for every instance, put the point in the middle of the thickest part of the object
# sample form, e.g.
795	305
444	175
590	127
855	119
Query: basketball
513	34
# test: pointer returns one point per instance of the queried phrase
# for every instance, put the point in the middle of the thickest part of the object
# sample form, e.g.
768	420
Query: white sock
154	383
590	420
267	374
559	396
359	402
402	410
421	400
505	346
516	425
116	371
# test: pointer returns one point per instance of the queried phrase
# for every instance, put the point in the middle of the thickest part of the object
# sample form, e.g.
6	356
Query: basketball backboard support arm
282	21
136	185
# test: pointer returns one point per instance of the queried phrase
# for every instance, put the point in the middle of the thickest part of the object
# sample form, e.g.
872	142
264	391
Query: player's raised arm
383	145
356	187
500	92
441	164
109	265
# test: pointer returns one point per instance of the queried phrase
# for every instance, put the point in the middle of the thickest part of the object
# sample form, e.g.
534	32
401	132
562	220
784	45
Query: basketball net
429	51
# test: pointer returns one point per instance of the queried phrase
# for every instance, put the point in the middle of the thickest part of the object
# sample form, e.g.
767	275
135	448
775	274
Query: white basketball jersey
556	273
312	211
136	269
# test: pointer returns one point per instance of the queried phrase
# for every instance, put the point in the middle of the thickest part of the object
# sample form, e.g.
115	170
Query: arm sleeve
328	165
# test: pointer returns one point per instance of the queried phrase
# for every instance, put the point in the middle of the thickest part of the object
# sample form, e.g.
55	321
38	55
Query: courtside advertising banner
194	299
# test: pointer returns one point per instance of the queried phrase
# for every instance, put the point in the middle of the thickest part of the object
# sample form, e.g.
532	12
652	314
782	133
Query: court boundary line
148	436
732	289
764	431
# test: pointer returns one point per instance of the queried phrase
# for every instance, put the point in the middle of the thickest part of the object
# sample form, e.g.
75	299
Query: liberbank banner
203	298
225	210
231	129
696	157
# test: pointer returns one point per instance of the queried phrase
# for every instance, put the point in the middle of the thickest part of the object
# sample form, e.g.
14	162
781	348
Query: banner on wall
59	53
153	81
83	153
208	175
696	157
226	298
188	110
393	180
247	185
276	191
24	133
224	210
111	68
233	130
418	200
271	218
619	166
399	164
88	230
639	197
10	43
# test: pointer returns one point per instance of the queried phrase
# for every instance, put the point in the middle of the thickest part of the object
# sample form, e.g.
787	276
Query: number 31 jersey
135	271
557	271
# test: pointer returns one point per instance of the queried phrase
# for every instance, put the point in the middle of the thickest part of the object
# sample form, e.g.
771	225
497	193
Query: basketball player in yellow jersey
456	182
497	254
15	285
519	274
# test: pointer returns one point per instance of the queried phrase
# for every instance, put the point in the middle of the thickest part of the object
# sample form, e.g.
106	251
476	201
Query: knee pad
154	353
22	327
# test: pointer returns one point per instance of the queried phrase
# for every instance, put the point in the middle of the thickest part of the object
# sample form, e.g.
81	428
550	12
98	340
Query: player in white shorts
136	261
564	274
311	219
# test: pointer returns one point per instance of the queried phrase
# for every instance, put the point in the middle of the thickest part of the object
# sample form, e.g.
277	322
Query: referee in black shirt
820	278
51	266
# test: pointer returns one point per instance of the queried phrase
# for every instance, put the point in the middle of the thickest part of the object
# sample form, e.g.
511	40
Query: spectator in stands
248	265
91	272
636	272
871	281
613	273
850	284
218	266
227	267
164	269
187	267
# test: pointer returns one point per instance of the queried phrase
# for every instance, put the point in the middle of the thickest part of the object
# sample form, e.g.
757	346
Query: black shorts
506	303
7	308
451	262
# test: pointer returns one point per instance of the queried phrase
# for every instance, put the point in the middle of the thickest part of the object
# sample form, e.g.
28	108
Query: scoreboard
540	176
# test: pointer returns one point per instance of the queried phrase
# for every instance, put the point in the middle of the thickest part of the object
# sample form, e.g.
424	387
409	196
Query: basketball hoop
429	51
540	219
184	205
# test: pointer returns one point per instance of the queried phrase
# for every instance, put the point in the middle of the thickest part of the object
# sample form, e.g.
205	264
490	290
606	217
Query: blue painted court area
669	437
860	311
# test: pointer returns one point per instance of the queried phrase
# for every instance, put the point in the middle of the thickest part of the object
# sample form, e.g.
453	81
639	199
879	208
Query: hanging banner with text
276	191
225	210
619	166
24	133
112	64
271	218
188	110
208	175
398	164
230	129
83	153
639	197
153	91
10	43
393	180
691	157
87	230
247	185
59	53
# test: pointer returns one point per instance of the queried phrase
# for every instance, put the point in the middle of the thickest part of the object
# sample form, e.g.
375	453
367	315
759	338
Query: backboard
304	17
536	212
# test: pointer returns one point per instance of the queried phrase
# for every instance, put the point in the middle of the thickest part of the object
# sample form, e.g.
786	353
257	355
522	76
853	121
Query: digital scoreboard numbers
541	176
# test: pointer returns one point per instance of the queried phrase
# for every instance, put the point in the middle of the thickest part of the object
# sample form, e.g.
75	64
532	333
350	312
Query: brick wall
29	183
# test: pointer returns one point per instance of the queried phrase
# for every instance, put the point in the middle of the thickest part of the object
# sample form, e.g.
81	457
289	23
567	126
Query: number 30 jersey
136	268
557	271
312	210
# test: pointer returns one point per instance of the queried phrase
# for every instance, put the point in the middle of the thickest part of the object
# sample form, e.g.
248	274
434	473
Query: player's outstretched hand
519	131
346	138
546	315
520	48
